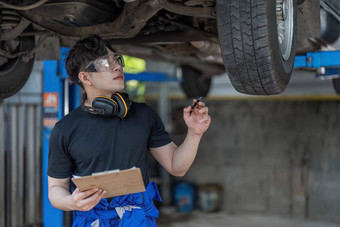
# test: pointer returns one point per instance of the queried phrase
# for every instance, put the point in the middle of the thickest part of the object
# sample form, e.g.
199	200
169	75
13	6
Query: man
97	137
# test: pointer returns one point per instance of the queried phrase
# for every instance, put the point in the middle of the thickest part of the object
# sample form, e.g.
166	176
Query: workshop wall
270	156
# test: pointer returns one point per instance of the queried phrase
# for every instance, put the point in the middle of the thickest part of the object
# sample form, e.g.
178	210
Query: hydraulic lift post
60	97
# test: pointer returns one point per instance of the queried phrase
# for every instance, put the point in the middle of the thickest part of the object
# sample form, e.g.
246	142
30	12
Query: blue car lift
327	63
59	98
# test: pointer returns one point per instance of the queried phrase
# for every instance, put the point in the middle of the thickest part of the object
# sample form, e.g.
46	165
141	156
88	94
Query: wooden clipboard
116	183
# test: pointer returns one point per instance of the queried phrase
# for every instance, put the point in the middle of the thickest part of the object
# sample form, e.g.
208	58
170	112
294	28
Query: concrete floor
220	219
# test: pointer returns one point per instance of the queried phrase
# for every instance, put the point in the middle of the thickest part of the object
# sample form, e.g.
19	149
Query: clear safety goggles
105	63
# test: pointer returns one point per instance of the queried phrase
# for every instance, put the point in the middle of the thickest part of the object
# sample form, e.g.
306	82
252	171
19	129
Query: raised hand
197	119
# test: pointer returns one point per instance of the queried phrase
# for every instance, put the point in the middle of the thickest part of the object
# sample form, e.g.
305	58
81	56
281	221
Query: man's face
110	79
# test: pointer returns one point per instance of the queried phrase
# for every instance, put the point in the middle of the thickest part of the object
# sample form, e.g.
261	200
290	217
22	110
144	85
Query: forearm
60	198
177	160
184	155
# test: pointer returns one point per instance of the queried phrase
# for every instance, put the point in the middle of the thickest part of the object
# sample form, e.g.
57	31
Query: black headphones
116	106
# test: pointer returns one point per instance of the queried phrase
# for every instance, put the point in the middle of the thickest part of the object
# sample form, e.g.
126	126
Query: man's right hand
86	200
60	197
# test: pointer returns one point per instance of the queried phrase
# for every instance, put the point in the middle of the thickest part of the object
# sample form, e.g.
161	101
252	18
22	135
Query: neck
88	103
92	95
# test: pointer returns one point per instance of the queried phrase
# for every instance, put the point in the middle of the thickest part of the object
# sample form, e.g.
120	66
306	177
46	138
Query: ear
85	78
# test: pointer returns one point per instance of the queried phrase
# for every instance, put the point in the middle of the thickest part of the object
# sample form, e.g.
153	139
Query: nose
116	67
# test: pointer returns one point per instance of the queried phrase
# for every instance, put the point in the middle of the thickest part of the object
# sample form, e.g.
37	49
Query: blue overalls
130	210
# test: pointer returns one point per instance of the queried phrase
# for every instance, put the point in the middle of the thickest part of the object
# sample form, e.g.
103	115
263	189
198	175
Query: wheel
14	73
336	85
194	84
257	40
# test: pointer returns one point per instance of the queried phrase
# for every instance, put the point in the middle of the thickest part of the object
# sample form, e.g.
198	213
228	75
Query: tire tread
242	27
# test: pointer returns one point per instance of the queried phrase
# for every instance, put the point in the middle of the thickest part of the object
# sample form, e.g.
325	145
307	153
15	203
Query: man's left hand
198	120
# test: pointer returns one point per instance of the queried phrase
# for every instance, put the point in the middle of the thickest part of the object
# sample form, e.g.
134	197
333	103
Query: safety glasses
105	63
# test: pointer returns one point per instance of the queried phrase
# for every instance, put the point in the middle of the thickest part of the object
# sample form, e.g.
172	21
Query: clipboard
116	182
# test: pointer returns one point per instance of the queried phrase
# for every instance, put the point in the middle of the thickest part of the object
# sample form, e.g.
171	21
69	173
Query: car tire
248	31
194	84
336	85
15	73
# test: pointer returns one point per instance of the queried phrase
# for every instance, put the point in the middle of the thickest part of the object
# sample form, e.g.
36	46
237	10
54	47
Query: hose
34	5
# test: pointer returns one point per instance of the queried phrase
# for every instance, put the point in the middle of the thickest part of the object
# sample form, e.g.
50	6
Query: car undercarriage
253	40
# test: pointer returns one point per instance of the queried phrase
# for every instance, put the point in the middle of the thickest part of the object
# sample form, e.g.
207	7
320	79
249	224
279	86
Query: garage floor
199	219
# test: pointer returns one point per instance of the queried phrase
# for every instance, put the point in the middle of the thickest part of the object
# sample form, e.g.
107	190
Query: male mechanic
108	132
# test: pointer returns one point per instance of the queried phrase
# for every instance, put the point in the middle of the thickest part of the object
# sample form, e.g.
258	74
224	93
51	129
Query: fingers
100	195
203	110
200	108
200	103
93	200
205	119
193	107
85	194
187	109
86	200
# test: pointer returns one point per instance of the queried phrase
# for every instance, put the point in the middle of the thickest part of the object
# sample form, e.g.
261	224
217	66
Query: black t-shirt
83	143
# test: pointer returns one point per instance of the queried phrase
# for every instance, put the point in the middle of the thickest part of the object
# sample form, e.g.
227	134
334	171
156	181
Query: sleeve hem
160	144
59	176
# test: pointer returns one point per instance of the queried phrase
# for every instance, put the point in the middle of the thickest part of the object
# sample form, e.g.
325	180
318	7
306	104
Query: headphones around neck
116	106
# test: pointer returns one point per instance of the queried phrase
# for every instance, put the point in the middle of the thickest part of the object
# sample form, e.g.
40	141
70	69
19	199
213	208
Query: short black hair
83	52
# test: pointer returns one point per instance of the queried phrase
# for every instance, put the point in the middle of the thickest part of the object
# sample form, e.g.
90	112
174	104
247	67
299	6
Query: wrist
192	132
69	203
